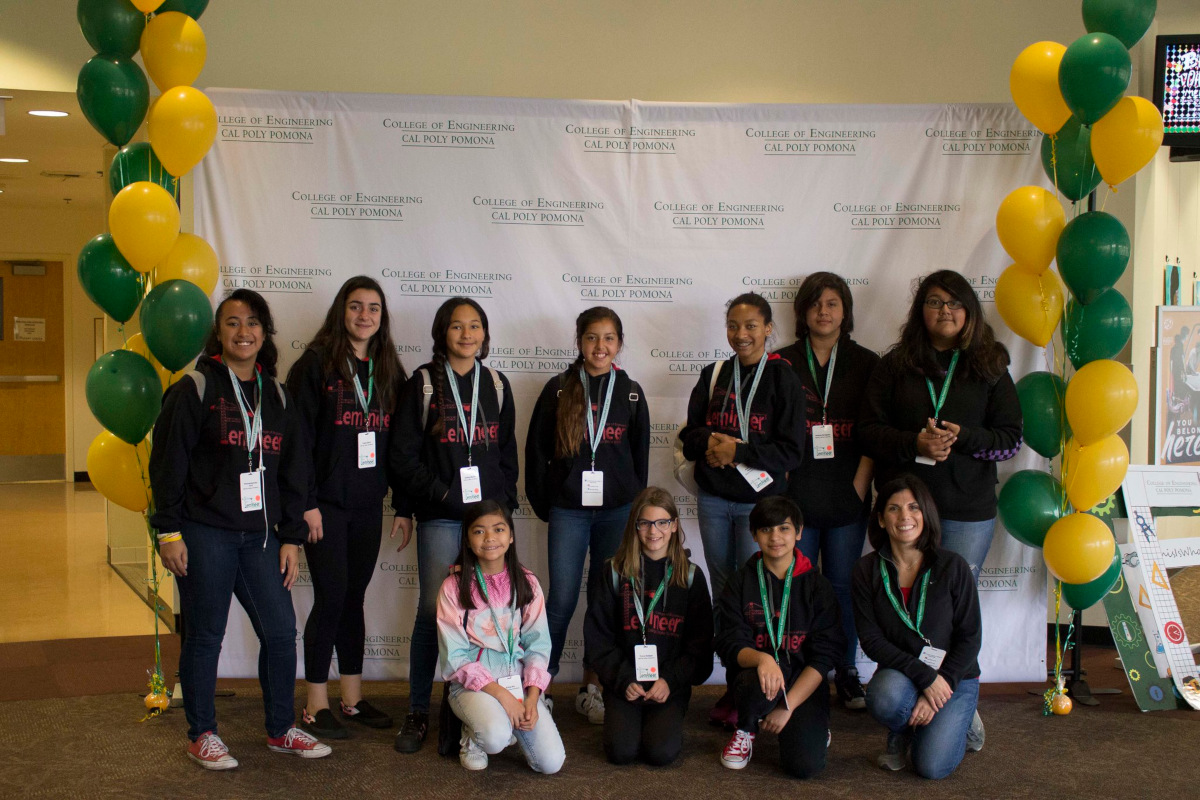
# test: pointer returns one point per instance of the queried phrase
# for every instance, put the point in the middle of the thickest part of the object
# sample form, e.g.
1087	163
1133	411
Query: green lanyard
510	650
364	401
940	400
637	600
253	428
468	430
735	388
776	634
900	609
812	367
595	427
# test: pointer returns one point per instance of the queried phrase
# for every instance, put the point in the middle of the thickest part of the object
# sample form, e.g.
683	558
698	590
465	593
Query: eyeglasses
937	303
663	525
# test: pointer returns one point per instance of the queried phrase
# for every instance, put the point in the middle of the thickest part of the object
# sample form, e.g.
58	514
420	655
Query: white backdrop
542	208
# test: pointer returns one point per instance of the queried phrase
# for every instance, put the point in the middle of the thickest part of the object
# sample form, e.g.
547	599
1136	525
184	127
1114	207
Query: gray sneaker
975	734
896	755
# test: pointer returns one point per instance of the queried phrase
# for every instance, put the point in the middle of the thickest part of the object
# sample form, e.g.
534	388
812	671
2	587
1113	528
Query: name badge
366	450
513	684
251	483
472	491
822	441
932	656
593	488
645	662
929	462
758	479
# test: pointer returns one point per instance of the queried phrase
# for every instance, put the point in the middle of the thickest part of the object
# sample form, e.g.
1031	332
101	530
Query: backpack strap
712	384
691	574
616	579
282	394
201	381
498	385
427	393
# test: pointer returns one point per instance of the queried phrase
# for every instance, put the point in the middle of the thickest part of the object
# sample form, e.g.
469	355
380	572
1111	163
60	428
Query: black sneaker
413	732
323	725
849	689
895	756
366	714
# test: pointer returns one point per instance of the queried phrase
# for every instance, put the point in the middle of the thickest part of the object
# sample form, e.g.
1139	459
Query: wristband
165	538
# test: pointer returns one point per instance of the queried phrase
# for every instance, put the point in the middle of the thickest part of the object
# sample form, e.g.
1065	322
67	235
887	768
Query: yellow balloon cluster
118	470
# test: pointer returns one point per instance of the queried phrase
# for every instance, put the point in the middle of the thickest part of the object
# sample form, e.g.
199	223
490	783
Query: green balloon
1093	75
137	162
1041	395
1085	595
1092	252
114	96
1098	330
193	8
1067	160
1127	20
108	279
111	27
1030	502
124	393
176	318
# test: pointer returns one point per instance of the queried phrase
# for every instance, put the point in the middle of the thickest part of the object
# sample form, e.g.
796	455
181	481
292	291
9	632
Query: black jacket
952	621
623	455
813	635
199	453
681	627
777	435
824	488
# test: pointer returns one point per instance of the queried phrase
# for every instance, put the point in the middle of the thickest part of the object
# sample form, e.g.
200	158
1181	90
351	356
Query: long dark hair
982	356
931	526
810	292
466	557
628	560
338	353
573	401
268	355
439	330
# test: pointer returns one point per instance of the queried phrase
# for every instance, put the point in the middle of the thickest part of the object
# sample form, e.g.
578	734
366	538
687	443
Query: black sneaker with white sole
413	732
849	689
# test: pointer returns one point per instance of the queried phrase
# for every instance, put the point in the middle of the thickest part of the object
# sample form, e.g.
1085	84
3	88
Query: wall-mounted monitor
1177	88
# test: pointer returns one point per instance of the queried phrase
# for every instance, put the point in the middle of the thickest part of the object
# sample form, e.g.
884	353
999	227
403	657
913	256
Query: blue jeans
971	540
572	536
725	533
938	747
840	549
222	564
438	542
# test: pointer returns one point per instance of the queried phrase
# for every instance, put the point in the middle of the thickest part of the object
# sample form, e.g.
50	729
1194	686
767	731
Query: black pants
341	565
651	731
802	740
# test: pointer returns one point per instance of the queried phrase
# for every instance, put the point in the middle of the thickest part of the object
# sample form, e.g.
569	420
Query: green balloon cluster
1093	251
1093	75
1041	395
193	8
1030	502
1067	160
1127	20
111	27
114	95
125	394
137	162
1099	330
1085	595
108	279
176	318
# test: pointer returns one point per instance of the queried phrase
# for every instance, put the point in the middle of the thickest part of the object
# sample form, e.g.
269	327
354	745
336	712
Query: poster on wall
1177	387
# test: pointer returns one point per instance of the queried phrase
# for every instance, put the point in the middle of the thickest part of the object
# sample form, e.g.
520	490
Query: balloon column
1075	95
144	262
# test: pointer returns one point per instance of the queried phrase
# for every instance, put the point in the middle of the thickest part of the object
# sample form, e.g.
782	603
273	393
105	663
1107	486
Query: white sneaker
737	753
470	754
591	704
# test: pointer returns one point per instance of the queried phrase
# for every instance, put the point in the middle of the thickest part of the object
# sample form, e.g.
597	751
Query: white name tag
366	450
472	491
251	483
645	662
822	441
932	656
513	684
929	462
593	488
757	478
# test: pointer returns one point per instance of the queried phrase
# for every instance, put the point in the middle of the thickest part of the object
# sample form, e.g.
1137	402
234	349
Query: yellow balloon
1030	304
120	471
1126	138
1092	473
144	222
1101	399
1078	548
191	259
1028	224
146	6
173	50
1033	82
182	126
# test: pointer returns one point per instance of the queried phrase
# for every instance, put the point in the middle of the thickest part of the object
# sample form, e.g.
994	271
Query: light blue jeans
485	720
971	540
937	748
725	532
840	549
438	543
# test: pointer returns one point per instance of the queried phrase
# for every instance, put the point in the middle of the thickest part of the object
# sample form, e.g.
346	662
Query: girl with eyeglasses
648	633
942	406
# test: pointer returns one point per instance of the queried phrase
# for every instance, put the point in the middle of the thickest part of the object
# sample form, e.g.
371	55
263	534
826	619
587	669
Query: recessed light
14	160
48	113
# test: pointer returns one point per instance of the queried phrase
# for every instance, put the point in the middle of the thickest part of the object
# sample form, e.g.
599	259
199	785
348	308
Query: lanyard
596	427
940	400
637	600
462	418
900	609
776	634
364	401
812	367
510	650
253	430
735	385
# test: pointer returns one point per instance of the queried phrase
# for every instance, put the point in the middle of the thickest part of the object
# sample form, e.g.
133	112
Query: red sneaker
737	753
299	743
210	752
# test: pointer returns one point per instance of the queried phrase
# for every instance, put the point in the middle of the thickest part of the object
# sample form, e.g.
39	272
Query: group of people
781	449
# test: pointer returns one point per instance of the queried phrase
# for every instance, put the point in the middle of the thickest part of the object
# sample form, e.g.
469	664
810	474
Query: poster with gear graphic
1151	692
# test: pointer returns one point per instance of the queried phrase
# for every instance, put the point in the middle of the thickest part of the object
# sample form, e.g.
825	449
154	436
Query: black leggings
802	741
341	565
652	731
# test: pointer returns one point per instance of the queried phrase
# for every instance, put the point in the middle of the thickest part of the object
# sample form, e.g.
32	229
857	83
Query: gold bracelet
170	537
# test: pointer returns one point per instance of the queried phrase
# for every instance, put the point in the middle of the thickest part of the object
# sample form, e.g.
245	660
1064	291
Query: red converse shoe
298	743
210	752
737	753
